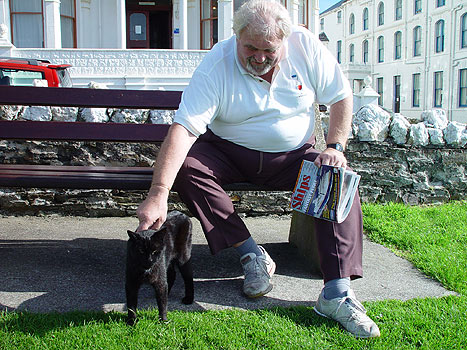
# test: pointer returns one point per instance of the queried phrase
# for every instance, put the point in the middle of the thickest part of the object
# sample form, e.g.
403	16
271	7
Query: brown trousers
213	162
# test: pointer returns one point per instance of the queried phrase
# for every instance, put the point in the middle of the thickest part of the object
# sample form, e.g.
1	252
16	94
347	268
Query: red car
33	72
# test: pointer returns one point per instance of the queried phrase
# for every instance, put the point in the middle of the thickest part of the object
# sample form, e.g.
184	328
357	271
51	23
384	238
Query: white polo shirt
249	111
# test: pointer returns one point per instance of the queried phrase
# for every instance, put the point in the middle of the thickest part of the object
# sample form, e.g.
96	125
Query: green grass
433	238
415	324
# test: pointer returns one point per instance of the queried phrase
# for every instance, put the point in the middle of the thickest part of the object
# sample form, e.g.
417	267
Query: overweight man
247	116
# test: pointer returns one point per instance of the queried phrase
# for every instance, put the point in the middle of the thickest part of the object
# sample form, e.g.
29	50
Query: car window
64	77
19	77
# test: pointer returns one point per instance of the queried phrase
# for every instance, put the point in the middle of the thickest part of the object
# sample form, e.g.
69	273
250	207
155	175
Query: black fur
151	258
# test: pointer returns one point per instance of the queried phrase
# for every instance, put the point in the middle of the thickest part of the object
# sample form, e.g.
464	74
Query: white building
126	43
415	51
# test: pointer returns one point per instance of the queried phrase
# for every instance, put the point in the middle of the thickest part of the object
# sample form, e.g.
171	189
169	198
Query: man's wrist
159	184
337	146
159	187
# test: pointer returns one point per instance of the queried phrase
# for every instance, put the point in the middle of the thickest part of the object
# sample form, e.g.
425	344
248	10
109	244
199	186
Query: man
247	115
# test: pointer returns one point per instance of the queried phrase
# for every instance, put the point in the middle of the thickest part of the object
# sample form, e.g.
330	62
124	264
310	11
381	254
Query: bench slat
85	177
97	98
75	168
81	131
74	180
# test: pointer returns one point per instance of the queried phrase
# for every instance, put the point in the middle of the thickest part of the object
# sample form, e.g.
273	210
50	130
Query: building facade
129	44
415	51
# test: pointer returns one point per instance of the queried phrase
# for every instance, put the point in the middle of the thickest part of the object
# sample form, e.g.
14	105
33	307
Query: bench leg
302	235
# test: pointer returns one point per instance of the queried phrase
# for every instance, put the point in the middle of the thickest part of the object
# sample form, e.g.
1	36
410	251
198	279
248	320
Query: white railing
124	69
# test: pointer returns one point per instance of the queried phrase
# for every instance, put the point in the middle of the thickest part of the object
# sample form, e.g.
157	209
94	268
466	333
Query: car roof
32	62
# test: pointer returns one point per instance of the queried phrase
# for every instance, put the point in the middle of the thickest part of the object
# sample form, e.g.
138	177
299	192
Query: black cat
151	258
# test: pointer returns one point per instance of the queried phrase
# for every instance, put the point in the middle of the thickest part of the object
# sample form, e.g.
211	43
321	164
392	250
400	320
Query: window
381	14
27	23
379	89
352	24
209	33
351	52
339	16
416	90
365	19
68	23
339	51
302	13
463	88
365	51
439	36
380	49
438	90
417	6
463	36
440	3
417	41
398	10
321	23
397	45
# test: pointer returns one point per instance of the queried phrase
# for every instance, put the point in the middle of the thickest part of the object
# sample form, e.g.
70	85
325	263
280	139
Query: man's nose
260	57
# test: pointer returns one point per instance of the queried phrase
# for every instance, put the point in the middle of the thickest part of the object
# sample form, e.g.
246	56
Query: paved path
74	263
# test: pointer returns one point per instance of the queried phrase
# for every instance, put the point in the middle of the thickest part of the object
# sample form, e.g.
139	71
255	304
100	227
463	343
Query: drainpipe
452	66
427	59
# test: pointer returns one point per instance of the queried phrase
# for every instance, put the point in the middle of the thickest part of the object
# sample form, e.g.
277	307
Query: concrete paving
74	263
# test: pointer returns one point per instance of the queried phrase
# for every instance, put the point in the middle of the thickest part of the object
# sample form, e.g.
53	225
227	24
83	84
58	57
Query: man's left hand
331	156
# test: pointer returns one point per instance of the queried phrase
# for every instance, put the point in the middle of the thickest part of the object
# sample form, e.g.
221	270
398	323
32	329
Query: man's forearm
340	121
172	155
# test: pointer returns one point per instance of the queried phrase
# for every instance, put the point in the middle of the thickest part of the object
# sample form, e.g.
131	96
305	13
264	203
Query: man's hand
331	156
152	212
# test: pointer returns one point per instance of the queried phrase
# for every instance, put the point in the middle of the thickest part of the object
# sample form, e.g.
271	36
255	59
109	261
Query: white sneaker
349	313
258	271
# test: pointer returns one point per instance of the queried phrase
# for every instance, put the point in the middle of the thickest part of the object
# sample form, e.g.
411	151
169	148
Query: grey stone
64	114
418	135
399	129
372	123
157	116
37	113
435	118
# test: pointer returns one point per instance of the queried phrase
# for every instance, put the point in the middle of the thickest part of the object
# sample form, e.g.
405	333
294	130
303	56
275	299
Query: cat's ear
131	234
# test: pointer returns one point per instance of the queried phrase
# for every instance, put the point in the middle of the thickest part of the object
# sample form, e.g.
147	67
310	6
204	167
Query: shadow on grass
40	324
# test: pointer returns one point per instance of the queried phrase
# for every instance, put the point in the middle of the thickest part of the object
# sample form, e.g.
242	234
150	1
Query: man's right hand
152	212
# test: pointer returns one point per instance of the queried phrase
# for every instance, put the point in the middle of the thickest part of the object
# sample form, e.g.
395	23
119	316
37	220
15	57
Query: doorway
397	94
149	26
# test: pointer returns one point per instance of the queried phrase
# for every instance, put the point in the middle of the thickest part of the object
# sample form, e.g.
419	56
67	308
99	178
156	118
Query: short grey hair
263	17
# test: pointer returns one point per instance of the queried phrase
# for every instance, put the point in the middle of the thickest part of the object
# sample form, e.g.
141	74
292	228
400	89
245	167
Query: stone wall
396	162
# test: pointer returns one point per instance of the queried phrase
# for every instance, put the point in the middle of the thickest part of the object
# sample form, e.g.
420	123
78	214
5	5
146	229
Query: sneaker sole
260	294
319	313
355	335
273	269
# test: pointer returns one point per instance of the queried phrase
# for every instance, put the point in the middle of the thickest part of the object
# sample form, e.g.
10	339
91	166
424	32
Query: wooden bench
102	177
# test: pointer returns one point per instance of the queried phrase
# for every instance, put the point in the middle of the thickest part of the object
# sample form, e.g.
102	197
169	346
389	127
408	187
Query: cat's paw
188	300
131	321
164	320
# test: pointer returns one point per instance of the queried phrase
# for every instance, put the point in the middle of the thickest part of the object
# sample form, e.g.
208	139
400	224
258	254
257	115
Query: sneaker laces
258	268
354	306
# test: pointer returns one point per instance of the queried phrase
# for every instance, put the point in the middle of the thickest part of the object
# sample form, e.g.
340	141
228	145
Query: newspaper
326	192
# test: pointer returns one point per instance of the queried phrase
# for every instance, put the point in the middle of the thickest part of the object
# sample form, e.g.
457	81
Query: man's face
257	54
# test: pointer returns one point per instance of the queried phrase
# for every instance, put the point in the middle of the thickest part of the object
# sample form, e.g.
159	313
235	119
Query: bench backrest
93	98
